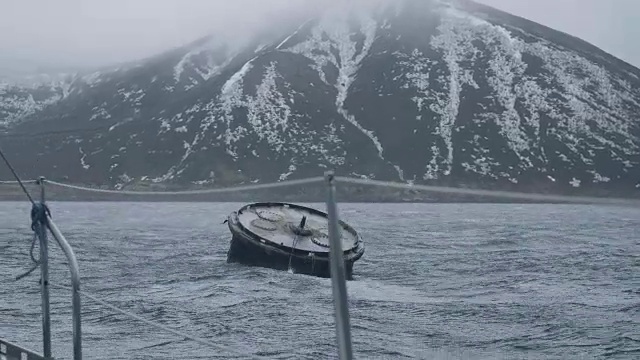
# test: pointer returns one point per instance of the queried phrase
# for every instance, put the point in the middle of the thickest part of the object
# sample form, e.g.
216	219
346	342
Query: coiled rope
36	262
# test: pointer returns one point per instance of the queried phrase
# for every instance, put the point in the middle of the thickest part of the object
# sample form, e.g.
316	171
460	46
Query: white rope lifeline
195	192
492	193
358	181
160	326
3	182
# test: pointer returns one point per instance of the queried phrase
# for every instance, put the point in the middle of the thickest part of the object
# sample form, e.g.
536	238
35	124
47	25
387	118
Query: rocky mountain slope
19	101
448	92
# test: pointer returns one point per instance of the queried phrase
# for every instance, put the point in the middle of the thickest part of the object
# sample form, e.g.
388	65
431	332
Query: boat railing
10	351
41	222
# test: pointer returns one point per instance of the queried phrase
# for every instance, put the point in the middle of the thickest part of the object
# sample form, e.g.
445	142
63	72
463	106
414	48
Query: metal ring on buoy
264	224
269	215
316	240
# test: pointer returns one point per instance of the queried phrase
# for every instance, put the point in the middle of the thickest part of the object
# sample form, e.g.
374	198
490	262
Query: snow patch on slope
16	103
415	71
269	113
270	118
232	96
596	102
210	50
332	42
292	35
454	46
82	159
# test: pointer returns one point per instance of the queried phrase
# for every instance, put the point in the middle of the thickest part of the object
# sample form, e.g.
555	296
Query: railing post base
39	226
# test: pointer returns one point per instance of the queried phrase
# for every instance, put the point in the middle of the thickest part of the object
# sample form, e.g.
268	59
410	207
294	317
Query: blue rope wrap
39	213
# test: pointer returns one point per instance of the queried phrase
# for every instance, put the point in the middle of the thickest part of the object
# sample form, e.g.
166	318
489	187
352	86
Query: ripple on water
446	281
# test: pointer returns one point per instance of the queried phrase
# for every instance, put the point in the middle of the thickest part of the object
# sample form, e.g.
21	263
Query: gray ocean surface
437	281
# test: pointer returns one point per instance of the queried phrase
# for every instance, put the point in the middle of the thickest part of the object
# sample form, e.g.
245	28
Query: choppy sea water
437	281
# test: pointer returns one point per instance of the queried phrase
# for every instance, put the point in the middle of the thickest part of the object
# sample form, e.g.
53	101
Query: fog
87	33
611	25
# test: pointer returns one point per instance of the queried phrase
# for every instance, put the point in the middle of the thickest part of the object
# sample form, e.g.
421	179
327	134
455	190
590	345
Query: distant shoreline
148	200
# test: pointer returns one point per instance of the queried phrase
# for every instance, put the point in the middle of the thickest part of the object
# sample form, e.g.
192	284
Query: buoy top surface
280	224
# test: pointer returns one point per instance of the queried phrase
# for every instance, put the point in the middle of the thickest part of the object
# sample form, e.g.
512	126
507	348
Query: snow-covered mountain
408	90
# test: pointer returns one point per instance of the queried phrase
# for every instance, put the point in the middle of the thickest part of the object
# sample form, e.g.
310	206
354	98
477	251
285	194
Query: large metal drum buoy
288	237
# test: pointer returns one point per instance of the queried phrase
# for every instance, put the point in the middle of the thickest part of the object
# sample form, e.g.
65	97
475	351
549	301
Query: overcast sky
612	25
99	32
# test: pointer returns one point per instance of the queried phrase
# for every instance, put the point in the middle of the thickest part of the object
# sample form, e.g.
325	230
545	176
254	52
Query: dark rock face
416	91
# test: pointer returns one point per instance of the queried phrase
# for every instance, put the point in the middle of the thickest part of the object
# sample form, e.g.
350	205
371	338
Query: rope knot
39	213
